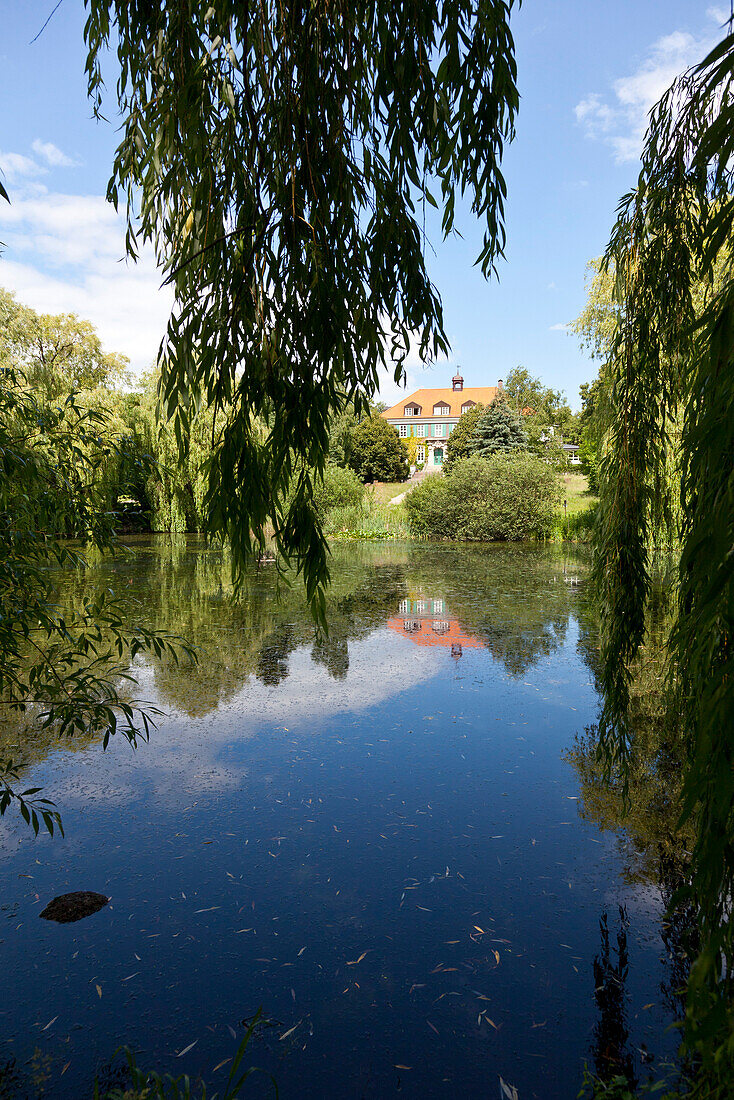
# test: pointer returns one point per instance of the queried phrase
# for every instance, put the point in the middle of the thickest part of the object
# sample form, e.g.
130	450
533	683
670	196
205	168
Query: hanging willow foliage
673	370
280	158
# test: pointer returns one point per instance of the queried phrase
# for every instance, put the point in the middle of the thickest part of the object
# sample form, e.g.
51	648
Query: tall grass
370	520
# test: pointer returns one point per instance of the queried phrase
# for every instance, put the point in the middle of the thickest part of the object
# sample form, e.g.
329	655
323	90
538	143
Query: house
427	621
429	416
571	450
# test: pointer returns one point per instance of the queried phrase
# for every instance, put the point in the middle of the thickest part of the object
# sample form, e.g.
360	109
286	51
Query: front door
438	456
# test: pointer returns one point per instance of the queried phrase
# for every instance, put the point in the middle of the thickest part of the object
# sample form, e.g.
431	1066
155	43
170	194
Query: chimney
457	381
500	387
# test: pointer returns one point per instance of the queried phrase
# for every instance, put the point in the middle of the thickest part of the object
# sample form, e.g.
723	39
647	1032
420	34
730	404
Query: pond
376	838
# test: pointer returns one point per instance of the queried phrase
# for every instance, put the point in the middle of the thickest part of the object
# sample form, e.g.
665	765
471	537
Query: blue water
375	839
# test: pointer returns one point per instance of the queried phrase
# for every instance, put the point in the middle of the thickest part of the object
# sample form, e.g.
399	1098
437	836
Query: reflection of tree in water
680	929
612	1057
333	654
516	600
272	661
644	817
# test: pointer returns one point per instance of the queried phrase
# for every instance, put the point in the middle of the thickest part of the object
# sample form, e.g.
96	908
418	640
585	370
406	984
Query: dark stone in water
70	907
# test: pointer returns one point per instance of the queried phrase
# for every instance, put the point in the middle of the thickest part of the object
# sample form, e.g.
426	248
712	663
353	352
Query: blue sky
588	73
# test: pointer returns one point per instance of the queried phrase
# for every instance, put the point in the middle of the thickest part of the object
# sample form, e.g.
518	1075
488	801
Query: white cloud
620	118
562	326
52	154
17	169
66	254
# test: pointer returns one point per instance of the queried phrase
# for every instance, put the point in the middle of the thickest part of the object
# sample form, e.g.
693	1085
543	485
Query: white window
440	627
441	410
421	607
412	410
439	430
467	405
420	453
403	430
438	607
404	607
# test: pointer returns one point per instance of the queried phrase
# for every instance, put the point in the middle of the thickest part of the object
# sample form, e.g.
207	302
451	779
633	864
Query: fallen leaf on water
289	1031
539	1025
64	1069
99	990
359	960
187	1049
432	1027
479	929
402	1067
127	979
301	952
497	956
220	1064
48	1025
209	910
508	1091
232	1031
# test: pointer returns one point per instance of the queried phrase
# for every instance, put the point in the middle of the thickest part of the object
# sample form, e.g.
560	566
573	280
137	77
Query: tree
671	370
458	442
281	158
540	408
378	453
60	669
57	354
498	429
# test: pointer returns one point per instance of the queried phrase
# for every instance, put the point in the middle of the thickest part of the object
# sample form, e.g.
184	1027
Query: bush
378	453
340	488
503	497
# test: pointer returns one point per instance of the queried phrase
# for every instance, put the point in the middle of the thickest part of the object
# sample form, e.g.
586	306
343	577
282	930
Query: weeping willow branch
672	366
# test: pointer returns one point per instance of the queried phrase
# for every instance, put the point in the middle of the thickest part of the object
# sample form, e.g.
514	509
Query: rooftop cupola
457	381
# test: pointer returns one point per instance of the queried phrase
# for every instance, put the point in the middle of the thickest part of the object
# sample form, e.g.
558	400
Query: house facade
429	416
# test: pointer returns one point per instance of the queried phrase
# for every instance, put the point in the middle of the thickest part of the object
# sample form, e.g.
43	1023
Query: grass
373	521
576	493
384	491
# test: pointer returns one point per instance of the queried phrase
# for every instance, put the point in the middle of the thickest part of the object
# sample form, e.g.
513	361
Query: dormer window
412	410
467	405
441	410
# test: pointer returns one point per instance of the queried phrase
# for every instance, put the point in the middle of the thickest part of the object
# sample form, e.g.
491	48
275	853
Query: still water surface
375	838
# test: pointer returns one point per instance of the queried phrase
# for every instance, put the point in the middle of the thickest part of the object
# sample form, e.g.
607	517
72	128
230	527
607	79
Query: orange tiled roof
480	395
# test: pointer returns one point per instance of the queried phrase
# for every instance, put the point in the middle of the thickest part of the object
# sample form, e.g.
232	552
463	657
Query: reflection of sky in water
390	863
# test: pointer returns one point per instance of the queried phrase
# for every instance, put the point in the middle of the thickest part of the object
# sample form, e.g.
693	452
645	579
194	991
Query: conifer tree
499	429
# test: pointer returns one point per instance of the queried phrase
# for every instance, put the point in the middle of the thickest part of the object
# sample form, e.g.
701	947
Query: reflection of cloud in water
380	666
182	753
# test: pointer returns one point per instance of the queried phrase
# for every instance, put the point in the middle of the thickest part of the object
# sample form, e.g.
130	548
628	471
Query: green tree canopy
497	429
281	158
540	407
57	354
457	445
378	453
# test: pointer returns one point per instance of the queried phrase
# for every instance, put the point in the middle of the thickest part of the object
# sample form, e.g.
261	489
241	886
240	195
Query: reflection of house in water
428	622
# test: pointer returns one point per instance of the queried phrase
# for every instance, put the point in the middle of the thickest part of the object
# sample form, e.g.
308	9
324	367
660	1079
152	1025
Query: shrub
505	496
378	452
340	488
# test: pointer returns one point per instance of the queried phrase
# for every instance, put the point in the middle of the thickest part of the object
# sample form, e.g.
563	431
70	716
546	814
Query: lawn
383	491
576	493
